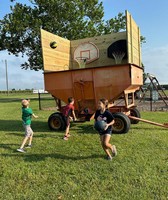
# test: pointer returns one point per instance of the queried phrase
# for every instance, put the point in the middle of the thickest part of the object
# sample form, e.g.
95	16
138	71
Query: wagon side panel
110	82
83	88
59	84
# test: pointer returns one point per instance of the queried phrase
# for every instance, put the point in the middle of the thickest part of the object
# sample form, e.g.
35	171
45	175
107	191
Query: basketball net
118	56
81	61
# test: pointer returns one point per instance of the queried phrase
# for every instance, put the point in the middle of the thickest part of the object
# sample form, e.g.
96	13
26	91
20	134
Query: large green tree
71	19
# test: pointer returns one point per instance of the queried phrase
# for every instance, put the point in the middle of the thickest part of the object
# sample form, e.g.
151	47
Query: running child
68	111
27	114
102	113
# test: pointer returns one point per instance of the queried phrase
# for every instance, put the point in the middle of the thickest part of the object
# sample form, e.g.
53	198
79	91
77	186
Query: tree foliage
71	19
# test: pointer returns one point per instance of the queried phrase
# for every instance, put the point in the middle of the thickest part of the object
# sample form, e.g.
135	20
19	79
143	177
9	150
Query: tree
71	19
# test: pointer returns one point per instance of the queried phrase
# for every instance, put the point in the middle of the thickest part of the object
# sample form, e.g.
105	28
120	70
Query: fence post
39	100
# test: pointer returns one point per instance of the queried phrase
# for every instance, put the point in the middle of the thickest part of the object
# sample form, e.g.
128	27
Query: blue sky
151	16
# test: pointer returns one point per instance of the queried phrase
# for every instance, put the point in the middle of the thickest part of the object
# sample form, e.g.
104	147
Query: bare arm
35	116
74	116
109	124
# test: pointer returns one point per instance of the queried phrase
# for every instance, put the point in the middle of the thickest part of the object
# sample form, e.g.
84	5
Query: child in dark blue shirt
102	114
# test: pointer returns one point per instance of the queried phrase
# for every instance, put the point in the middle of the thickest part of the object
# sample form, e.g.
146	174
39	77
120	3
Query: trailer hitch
149	122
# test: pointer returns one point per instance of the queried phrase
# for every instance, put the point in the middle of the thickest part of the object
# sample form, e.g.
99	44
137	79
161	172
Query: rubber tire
135	113
122	123
56	122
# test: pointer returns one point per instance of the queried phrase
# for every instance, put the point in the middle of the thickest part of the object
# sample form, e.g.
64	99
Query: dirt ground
146	105
151	106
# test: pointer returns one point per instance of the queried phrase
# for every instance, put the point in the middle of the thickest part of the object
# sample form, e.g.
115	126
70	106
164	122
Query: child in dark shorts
67	112
102	113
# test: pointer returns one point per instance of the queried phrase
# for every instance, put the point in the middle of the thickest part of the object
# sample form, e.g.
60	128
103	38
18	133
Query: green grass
77	169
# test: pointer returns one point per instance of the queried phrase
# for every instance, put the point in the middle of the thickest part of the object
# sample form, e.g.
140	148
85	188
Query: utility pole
6	66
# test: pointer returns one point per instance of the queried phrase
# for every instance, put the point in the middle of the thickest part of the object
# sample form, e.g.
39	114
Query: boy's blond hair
25	103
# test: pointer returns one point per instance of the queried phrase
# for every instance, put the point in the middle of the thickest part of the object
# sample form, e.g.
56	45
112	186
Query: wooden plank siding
62	57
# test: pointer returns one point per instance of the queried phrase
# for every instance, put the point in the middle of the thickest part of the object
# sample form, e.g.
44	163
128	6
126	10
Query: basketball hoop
118	56
81	61
118	51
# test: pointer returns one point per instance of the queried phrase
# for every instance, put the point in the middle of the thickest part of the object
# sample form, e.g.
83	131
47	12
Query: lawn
77	169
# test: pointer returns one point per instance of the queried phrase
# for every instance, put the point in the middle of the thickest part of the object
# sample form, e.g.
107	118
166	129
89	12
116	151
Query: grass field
77	169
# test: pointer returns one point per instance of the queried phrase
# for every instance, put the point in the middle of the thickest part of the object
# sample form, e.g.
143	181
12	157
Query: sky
150	15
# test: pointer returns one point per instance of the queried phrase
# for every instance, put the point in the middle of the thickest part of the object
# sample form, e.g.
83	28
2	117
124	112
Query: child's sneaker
21	150
65	138
114	150
68	135
28	146
109	158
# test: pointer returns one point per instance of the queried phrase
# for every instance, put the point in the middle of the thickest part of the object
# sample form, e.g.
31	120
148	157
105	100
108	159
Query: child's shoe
114	150
109	158
28	146
21	150
65	137
68	135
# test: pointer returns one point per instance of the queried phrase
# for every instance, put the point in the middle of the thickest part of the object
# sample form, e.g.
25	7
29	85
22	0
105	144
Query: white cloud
156	62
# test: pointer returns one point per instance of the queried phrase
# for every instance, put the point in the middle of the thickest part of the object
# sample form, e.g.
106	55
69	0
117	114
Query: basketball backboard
86	50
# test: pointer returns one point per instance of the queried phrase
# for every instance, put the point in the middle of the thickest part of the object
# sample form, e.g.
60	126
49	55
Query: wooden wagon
88	69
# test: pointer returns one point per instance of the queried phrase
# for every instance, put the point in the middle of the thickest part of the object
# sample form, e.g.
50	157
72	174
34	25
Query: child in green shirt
27	114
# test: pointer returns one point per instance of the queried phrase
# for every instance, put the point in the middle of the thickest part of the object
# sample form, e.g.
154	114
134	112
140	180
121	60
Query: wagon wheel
122	123
135	113
56	122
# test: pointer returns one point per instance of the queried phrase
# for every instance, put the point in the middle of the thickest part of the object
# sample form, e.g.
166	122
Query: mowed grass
77	168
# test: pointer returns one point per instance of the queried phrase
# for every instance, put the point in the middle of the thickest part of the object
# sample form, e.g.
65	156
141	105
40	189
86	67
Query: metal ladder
155	84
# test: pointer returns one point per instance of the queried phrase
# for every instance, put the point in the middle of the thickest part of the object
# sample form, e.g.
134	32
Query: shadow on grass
16	125
7	146
37	135
42	157
88	128
8	100
41	126
83	128
147	128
